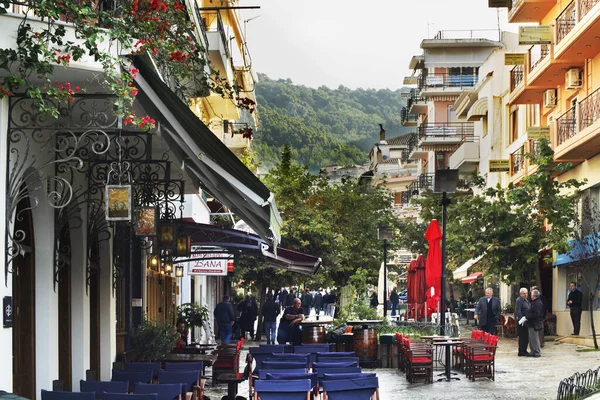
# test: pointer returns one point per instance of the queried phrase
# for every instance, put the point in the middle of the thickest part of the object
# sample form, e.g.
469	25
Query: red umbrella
434	257
420	284
410	282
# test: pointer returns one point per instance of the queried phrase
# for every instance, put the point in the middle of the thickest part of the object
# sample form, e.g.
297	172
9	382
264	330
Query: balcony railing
406	117
537	54
423	182
516	77
489	34
585	6
567	125
535	147
518	160
589	109
565	22
445	80
210	18
460	130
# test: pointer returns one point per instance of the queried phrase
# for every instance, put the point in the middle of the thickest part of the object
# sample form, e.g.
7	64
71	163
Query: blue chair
340	364
337	359
337	377
331	354
187	366
286	376
262	374
143	366
131	376
268	364
322	371
261	353
55	395
190	380
283	390
101	387
165	391
292	357
351	389
121	396
313	349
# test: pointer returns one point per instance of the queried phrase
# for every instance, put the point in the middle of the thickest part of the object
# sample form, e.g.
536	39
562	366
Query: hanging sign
499	165
541	34
7	312
214	264
538	132
514	58
500	3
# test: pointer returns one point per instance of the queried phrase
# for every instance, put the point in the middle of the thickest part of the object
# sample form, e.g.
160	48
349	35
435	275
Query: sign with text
500	3
7	312
514	58
499	165
214	264
541	34
538	132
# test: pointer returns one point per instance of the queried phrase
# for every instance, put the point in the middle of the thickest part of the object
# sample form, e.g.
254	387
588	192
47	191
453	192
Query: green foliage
152	341
323	126
192	314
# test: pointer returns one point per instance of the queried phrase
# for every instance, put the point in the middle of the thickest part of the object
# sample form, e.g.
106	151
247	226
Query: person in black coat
318	302
282	296
521	309
270	311
487	311
249	312
574	302
394	299
535	323
544	301
373	300
307	301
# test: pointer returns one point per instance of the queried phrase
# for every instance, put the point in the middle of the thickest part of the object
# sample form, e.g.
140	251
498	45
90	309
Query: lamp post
445	182
384	233
179	274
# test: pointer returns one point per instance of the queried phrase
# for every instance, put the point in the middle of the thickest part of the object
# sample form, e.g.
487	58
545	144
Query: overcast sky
353	43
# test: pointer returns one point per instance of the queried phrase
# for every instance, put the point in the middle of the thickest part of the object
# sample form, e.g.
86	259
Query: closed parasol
434	258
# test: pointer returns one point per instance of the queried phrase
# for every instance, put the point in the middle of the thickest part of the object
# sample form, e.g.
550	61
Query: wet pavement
516	377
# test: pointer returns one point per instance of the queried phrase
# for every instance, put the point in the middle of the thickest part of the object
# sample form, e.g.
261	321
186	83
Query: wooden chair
228	361
481	358
418	359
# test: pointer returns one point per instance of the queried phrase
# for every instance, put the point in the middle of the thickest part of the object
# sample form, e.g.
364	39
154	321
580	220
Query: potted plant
152	341
193	315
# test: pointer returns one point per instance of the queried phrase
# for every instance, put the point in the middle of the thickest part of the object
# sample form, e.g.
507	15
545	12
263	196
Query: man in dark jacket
544	301
521	309
282	296
487	311
535	322
318	302
307	301
394	299
270	311
225	319
574	302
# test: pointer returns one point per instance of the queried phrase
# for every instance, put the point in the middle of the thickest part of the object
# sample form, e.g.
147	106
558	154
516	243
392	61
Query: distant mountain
323	126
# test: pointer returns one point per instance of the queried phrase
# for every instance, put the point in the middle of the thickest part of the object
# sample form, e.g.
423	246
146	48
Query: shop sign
514	58
214	264
538	132
7	312
500	3
499	165
541	34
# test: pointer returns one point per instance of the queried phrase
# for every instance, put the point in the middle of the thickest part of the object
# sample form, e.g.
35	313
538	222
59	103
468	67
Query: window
514	124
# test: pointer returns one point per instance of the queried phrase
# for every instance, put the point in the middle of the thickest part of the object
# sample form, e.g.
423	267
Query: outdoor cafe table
313	330
232	380
448	343
207	359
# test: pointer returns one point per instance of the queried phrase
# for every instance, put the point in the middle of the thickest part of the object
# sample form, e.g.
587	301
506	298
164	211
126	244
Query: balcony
578	31
517	162
444	83
408	119
423	182
444	136
466	157
578	130
529	10
520	91
218	45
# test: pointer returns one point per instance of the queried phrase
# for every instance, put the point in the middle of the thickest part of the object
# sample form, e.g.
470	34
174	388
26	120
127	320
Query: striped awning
472	278
478	109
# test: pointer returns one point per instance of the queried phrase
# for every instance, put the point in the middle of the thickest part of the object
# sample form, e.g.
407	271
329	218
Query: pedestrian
183	334
307	301
282	296
331	303
270	311
249	312
326	303
318	302
521	309
544	301
534	320
289	299
225	319
487	311
574	302
289	329
394	299
373	300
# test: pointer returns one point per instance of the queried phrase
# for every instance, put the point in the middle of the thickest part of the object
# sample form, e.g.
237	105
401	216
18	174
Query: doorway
24	305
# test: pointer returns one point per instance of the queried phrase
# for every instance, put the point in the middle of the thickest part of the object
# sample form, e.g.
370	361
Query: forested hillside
323	126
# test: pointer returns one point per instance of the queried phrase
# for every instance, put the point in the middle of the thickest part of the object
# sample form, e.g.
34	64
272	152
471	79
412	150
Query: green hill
323	126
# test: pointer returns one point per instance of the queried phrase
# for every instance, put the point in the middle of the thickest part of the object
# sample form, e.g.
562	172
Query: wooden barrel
313	334
365	344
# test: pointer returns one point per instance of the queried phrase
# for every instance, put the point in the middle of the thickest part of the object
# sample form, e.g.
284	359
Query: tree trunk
591	308
259	324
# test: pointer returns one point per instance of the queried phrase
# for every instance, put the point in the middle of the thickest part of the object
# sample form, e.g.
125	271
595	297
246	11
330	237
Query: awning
463	270
478	109
206	158
472	278
213	239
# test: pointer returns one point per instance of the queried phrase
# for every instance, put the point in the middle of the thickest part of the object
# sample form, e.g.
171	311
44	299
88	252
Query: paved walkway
516	377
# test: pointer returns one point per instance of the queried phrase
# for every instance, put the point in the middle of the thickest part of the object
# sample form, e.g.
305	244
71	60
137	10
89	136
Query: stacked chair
480	357
228	360
298	389
415	358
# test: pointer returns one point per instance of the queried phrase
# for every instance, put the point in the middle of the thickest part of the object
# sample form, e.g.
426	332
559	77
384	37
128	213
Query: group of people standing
318	301
530	316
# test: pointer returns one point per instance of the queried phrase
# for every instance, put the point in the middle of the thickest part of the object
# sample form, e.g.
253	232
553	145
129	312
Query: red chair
480	359
228	361
418	360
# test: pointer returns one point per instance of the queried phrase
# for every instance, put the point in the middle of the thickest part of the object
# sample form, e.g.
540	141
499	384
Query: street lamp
384	233
445	182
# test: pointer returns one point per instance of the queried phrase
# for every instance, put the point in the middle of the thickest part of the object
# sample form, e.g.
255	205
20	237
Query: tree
585	248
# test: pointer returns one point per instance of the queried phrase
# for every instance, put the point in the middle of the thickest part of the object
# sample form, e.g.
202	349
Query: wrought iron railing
423	182
566	125
579	386
535	147
566	21
210	18
537	54
585	6
517	160
446	80
406	117
460	130
516	77
589	109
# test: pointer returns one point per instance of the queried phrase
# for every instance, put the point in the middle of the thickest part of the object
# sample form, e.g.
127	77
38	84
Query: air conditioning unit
550	98
573	79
